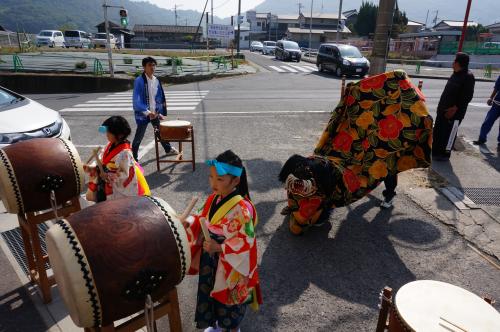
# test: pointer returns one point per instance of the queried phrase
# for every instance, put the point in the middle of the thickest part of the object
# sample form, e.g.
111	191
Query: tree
367	19
472	33
399	22
67	26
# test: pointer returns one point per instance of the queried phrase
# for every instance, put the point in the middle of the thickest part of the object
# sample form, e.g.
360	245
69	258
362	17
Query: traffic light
124	17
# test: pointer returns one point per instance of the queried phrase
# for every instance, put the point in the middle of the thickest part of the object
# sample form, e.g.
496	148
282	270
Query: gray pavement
328	279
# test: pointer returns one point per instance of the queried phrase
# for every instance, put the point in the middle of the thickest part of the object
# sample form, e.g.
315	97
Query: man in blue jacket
492	116
150	105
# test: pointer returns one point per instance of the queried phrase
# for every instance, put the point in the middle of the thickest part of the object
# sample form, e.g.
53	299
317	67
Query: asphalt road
330	278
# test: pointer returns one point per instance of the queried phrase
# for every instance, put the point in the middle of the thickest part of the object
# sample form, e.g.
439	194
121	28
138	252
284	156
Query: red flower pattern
309	206
365	144
374	82
390	127
404	84
351	181
343	142
350	100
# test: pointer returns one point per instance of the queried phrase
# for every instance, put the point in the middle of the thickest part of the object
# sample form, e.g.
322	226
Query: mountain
33	16
482	11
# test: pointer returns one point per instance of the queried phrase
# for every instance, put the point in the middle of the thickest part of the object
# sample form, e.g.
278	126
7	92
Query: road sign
220	31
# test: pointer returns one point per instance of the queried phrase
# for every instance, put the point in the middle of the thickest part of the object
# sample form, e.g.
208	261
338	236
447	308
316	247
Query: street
330	278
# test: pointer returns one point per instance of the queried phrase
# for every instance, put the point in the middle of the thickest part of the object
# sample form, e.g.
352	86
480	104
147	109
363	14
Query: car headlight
368	63
11	138
346	62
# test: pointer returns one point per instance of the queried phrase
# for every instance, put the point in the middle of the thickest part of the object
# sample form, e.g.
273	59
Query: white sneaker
173	152
386	205
211	329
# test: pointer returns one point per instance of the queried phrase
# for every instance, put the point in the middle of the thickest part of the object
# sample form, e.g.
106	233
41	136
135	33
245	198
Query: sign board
220	31
251	16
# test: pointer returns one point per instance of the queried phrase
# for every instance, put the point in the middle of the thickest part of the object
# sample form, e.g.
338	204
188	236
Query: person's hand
489	102
161	117
152	116
211	246
450	112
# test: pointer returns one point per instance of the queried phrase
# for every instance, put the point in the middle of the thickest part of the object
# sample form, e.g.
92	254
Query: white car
100	40
76	39
268	47
50	38
256	46
22	118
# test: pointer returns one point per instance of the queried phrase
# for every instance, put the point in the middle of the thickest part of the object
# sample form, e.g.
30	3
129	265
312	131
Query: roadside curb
191	78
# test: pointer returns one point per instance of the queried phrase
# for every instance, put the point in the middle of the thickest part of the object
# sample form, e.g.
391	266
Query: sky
222	8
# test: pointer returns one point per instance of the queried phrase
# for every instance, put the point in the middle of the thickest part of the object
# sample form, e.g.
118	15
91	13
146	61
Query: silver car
256	46
268	47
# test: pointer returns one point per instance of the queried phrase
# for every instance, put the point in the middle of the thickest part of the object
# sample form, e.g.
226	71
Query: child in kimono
122	175
227	262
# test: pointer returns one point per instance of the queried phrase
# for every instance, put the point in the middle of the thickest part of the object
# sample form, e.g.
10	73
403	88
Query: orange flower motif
419	108
406	162
351	181
381	153
323	139
405	119
419	152
428	123
391	109
378	170
365	120
342	142
366	104
405	84
374	82
390	128
350	100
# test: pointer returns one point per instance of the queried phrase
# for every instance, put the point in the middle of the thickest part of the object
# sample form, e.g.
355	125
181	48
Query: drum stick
450	323
189	208
204	228
94	155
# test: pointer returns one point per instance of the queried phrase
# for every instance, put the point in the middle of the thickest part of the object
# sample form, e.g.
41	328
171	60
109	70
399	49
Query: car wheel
53	44
338	71
298	60
320	68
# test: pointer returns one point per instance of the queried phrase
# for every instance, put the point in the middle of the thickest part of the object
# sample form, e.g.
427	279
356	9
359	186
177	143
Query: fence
473	48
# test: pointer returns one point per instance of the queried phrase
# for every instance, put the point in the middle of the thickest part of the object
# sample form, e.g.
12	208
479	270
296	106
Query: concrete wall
476	61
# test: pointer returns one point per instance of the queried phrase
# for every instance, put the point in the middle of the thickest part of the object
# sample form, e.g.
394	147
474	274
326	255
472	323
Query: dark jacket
457	92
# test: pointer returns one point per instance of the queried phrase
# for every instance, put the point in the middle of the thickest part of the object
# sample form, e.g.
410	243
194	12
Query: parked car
287	50
76	39
51	38
256	46
342	60
100	40
22	118
268	47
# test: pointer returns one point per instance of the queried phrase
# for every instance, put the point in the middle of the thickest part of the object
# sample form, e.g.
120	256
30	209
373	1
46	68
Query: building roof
261	15
328	16
316	31
350	13
415	23
139	28
456	24
288	17
494	25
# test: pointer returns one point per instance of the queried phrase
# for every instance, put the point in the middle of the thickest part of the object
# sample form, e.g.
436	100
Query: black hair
118	126
147	60
229	157
462	59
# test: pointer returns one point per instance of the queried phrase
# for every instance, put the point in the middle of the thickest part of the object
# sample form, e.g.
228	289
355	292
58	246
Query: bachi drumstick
189	208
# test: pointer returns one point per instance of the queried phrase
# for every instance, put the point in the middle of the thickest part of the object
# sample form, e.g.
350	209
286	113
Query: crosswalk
294	69
122	101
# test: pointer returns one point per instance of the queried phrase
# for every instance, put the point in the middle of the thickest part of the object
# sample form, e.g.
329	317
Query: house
322	28
165	36
414	26
495	31
123	35
450	25
351	17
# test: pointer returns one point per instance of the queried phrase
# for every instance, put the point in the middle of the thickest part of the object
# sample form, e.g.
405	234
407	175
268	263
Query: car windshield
270	43
100	36
71	33
350	52
290	45
45	33
7	99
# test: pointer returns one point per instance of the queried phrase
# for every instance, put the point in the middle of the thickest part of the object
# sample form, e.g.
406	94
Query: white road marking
290	69
261	112
120	109
311	67
302	69
145	149
480	105
278	69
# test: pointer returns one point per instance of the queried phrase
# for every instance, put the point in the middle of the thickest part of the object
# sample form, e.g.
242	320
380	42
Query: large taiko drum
108	257
434	306
175	129
31	169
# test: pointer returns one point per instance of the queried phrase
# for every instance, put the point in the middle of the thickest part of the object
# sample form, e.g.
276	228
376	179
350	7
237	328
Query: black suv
342	60
287	50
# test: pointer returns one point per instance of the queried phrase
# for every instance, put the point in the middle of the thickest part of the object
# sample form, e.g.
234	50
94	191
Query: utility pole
239	27
382	36
338	21
300	7
175	13
270	15
464	28
310	26
426	18
212	12
108	41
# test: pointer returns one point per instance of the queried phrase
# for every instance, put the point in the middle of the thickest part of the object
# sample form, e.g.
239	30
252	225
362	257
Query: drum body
29	170
175	129
108	257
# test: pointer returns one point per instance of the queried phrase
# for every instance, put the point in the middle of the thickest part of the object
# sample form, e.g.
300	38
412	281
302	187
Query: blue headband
223	168
103	129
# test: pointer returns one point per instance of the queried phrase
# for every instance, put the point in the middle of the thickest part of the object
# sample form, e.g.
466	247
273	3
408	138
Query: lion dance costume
380	127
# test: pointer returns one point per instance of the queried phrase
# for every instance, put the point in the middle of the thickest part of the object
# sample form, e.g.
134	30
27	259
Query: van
76	39
50	38
342	60
287	50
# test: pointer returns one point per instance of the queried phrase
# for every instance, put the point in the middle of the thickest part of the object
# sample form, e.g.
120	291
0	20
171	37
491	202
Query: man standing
150	105
492	116
452	107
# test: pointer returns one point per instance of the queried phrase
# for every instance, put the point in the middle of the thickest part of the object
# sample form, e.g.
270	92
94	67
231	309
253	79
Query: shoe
286	211
173	152
386	204
479	142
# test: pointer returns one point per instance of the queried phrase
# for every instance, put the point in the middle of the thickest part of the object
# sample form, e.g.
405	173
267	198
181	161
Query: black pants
391	182
139	135
441	136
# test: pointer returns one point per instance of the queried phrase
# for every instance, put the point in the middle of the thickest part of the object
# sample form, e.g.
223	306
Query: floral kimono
228	280
126	176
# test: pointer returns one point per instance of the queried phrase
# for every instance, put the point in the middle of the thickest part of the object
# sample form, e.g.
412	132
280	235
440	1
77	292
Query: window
246	37
259	24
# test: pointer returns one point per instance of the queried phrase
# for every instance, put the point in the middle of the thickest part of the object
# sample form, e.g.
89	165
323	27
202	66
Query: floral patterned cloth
380	127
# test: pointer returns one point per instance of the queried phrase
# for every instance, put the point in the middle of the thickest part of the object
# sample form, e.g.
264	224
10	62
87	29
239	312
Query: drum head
175	123
429	305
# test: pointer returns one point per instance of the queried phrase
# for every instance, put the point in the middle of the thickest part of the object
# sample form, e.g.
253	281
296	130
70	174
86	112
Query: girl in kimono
122	175
226	262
